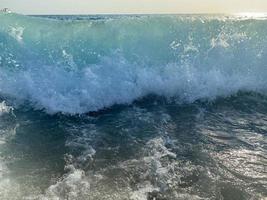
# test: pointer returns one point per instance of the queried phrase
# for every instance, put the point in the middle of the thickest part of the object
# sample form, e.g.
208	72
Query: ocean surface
145	107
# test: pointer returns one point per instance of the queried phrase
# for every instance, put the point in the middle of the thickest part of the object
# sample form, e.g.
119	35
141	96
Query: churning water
133	107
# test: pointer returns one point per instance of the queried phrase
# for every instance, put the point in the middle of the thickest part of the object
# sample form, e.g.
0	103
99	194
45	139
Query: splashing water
177	107
81	66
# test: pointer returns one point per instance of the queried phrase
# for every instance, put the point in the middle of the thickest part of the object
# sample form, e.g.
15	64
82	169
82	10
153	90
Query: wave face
78	66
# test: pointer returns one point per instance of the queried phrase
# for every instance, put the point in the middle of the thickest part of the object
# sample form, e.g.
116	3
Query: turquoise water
133	107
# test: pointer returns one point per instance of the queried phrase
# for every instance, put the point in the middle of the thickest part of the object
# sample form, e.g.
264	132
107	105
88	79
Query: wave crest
77	67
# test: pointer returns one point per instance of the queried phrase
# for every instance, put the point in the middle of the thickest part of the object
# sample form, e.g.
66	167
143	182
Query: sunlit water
133	107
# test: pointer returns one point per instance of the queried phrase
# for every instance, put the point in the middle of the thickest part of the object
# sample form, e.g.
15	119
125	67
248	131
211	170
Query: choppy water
133	107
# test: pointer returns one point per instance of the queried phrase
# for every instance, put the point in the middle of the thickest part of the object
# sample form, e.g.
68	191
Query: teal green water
132	107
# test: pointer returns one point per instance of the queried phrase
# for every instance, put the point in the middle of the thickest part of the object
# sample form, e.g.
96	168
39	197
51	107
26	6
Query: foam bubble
17	33
4	108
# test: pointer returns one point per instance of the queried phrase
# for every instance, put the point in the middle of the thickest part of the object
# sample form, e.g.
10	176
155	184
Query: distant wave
80	66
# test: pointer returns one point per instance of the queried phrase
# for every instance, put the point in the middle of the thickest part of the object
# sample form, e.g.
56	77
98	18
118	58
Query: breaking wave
78	66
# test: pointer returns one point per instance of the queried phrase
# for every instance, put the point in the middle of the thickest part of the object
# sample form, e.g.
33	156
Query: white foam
73	185
17	33
115	81
4	108
142	192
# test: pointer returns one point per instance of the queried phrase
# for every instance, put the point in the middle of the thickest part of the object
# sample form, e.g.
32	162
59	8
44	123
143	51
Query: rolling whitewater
131	107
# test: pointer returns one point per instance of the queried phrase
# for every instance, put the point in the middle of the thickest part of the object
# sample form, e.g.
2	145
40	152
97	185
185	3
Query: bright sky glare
133	6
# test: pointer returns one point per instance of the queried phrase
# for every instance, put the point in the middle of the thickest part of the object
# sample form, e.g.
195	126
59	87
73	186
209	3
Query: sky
133	6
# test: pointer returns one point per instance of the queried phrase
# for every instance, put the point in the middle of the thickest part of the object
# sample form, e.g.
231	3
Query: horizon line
164	13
